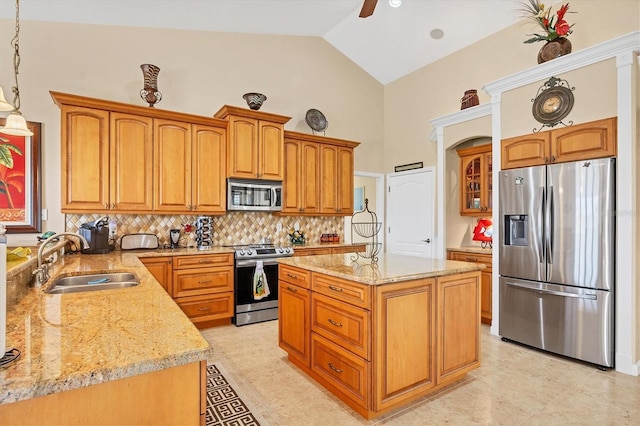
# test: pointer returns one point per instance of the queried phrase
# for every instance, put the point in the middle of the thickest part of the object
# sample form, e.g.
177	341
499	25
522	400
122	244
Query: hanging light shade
16	125
4	105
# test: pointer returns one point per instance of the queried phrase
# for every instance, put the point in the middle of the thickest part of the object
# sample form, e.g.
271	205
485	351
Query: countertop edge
366	273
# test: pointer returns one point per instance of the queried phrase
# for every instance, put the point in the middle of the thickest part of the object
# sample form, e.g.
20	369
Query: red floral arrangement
554	26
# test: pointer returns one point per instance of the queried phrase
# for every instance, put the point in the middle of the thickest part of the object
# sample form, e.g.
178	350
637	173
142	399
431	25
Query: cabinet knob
113	205
553	158
106	205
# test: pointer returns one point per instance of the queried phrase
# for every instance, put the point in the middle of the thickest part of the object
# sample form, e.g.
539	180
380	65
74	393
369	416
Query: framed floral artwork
20	192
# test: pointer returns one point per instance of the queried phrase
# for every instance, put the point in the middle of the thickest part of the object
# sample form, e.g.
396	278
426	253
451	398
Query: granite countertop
471	249
79	339
390	268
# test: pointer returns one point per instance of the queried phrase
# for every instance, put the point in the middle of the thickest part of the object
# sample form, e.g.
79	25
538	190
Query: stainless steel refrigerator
557	258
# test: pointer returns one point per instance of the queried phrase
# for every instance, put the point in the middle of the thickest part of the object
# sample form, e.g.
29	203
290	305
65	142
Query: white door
411	212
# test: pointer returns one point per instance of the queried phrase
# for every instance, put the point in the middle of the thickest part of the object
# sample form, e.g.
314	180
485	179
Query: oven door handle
251	262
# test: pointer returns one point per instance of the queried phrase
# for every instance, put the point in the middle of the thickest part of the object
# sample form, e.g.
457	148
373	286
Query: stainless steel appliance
557	258
254	195
248	259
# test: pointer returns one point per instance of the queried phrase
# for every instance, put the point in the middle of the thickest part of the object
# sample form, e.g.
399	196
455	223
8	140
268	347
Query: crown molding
582	58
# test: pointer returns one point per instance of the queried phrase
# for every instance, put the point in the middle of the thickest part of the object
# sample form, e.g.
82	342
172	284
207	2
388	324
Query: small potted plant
296	236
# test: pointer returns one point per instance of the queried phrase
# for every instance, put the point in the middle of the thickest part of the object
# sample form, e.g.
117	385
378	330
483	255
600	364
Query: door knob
428	240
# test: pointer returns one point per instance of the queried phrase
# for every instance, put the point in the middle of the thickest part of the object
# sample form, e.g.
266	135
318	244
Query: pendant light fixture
16	124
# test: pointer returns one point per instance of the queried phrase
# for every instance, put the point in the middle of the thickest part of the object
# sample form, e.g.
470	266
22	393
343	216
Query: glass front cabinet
476	169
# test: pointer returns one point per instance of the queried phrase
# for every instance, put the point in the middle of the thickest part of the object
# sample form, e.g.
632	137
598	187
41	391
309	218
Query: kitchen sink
92	282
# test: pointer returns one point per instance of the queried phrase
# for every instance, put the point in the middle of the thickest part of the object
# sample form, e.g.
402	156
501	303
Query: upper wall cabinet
124	158
255	148
318	175
476	171
595	139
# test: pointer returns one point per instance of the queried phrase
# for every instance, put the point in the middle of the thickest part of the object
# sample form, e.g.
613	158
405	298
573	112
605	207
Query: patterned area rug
224	405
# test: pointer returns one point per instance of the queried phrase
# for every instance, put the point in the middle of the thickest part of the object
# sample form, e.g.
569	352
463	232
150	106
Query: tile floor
514	386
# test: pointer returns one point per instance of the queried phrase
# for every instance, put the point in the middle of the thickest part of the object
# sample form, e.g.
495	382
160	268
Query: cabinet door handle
204	281
295	277
106	205
334	368
553	158
332	322
295	290
205	261
203	309
546	160
334	288
471	259
113	205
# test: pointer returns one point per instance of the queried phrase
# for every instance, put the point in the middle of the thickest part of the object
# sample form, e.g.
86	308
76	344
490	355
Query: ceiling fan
367	8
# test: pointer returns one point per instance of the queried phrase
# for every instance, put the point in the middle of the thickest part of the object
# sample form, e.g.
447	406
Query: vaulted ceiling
388	45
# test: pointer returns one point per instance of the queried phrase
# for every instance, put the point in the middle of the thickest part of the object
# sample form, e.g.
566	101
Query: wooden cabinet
161	269
171	396
203	287
124	158
294	303
255	148
318	175
405	356
595	139
476	187
188	164
172	165
106	161
130	165
310	251
458	328
336	177
301	183
487	277
359	345
208	169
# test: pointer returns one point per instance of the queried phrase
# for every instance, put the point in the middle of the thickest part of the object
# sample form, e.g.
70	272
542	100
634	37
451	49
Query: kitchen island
379	336
111	356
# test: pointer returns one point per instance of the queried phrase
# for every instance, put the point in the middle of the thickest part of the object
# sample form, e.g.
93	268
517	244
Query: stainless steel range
256	282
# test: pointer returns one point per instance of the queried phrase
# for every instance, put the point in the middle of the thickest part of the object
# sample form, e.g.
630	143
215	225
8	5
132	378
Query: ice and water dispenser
516	230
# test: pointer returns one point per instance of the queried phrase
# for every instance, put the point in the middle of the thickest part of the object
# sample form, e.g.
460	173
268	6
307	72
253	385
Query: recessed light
437	34
395	3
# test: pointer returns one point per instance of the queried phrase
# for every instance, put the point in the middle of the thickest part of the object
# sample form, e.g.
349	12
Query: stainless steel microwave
254	195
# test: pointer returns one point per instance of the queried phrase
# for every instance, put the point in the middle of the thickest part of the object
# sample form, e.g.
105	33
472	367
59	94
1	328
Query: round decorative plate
552	105
316	120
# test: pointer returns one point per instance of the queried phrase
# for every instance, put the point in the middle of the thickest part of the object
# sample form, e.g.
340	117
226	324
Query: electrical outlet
279	227
44	214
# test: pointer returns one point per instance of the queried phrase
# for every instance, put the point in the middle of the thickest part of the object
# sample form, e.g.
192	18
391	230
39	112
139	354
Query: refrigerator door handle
549	226
540	224
553	292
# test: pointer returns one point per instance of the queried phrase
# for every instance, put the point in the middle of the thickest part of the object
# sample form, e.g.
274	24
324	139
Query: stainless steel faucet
41	273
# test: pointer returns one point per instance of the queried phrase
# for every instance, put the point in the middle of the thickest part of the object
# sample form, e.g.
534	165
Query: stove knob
280	250
241	252
249	252
288	250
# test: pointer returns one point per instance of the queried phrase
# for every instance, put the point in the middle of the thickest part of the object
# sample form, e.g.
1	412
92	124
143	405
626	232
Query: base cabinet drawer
194	282
294	275
347	291
341	368
341	323
207	308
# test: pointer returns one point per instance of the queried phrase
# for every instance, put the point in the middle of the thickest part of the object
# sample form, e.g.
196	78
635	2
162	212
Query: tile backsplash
232	228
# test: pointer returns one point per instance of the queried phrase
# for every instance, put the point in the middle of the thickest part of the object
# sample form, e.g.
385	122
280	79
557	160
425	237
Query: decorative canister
469	99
